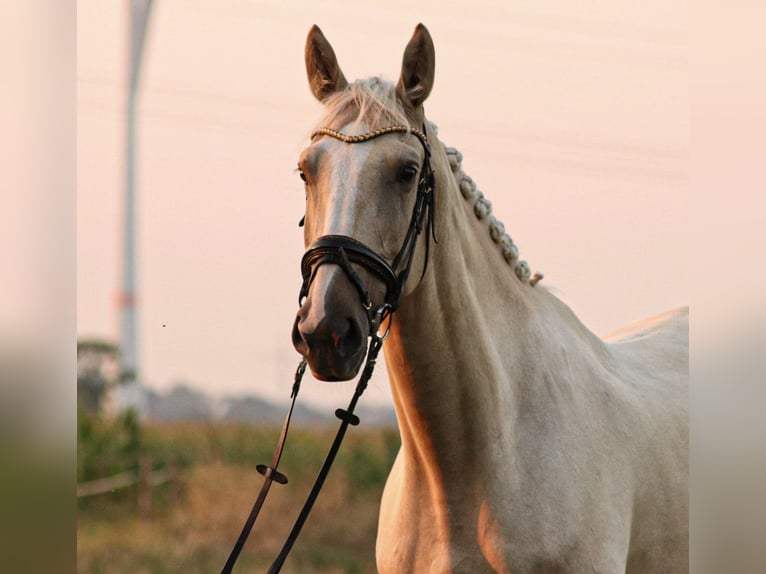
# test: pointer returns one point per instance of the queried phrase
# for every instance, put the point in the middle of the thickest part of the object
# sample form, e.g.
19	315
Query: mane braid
482	208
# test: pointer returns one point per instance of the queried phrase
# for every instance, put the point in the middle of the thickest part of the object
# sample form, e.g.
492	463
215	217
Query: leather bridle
344	251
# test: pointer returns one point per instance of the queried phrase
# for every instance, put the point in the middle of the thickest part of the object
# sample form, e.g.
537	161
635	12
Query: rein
343	251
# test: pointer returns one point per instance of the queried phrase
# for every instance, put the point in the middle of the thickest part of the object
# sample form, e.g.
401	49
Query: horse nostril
299	340
350	340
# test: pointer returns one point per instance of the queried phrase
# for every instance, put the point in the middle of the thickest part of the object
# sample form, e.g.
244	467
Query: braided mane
482	208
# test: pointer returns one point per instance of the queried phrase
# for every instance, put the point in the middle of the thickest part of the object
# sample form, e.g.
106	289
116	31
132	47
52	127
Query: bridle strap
333	249
421	135
422	212
270	474
347	418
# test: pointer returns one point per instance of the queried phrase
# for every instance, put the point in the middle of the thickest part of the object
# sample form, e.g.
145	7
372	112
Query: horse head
368	185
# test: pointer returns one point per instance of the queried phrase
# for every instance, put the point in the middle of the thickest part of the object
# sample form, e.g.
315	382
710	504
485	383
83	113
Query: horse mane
372	103
482	208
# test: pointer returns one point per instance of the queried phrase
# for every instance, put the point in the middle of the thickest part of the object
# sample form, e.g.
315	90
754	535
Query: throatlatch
345	251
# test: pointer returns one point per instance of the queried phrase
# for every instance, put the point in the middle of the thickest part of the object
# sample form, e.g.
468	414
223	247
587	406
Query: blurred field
194	520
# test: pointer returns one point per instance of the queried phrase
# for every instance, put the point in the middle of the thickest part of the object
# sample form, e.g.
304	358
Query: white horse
529	444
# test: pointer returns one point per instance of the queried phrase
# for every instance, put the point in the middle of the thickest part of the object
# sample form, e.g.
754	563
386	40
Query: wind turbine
131	393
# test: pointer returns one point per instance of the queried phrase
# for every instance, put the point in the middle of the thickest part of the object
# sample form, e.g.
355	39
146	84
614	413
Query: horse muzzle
334	341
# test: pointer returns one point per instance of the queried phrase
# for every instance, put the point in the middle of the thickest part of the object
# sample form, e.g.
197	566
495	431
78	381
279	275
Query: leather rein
342	250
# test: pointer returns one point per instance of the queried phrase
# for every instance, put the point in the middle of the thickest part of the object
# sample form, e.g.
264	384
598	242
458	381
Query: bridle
342	250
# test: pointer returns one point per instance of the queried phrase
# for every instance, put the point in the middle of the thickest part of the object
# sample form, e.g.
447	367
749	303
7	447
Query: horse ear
325	76
418	65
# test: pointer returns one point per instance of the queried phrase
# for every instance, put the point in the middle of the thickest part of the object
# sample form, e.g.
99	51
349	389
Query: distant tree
98	373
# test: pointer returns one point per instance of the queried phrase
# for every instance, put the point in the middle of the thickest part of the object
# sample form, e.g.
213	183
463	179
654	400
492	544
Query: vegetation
98	373
195	519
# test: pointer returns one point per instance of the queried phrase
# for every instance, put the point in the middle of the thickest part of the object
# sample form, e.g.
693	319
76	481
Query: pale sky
573	119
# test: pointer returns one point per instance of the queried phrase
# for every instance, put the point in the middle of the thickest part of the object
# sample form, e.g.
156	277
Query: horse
528	443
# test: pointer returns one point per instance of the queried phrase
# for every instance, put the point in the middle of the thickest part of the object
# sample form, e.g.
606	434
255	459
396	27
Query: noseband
343	250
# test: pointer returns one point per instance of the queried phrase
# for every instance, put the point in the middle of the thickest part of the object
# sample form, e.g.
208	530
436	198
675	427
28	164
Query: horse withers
529	444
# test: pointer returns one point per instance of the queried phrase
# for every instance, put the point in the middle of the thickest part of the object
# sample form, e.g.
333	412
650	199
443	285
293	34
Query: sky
573	119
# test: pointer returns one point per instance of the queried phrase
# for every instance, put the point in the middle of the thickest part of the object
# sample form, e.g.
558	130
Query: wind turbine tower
131	393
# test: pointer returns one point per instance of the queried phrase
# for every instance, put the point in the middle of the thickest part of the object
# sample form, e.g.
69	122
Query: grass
195	520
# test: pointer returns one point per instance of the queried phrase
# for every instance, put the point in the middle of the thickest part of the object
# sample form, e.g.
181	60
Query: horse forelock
369	104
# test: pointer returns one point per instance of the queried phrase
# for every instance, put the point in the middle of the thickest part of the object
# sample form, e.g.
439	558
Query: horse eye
302	175
408	173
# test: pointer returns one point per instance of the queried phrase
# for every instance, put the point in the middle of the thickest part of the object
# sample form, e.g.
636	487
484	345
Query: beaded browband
371	135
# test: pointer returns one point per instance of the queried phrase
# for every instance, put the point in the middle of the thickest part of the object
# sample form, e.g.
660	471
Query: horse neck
468	338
